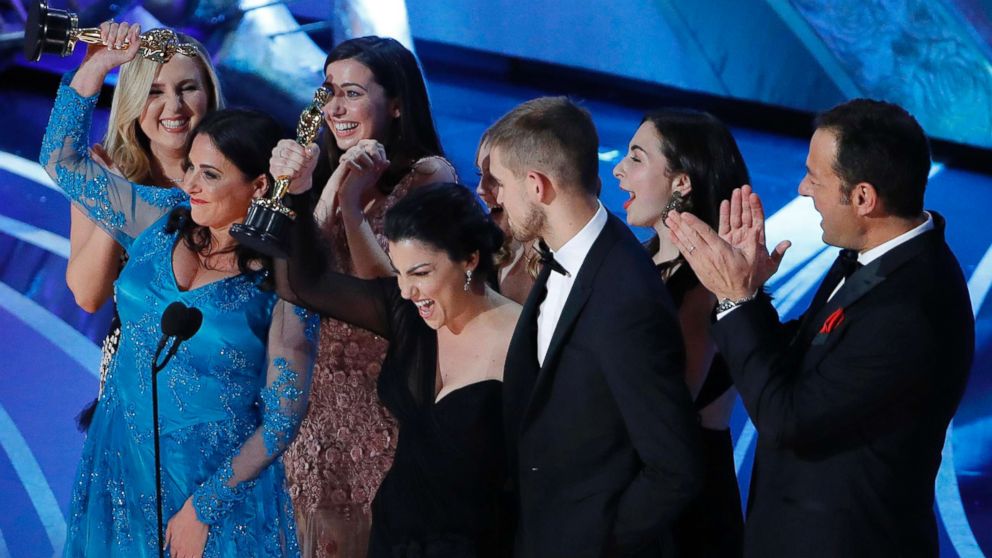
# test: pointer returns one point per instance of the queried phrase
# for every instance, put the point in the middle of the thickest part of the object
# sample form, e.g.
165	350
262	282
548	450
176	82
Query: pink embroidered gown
347	440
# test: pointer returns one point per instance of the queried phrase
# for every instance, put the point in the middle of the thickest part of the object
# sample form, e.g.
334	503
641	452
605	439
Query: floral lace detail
92	191
121	522
311	321
347	440
237	396
279	422
120	207
183	380
238	290
70	122
69	129
214	498
155	245
162	198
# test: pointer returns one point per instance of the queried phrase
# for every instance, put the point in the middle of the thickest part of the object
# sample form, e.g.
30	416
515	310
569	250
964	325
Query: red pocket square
832	321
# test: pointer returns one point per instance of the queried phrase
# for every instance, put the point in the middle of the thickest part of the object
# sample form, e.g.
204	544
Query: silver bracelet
727	304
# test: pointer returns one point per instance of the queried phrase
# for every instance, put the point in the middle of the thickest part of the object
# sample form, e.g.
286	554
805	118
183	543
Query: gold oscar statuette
51	31
265	226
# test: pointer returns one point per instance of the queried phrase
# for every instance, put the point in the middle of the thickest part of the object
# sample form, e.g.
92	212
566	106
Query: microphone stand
156	368
179	323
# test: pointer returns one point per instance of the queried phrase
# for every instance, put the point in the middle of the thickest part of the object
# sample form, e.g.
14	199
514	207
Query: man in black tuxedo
852	401
599	426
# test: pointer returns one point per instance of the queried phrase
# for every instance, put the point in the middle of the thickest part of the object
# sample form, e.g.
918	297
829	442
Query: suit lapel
861	282
521	369
577	298
819	301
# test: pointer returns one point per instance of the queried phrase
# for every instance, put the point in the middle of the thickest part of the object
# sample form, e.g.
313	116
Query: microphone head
194	319
173	318
181	322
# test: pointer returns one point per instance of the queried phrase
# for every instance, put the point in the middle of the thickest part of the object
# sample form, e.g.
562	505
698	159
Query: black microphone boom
179	323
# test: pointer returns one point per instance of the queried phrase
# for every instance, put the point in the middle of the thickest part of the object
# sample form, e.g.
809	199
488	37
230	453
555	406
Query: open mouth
626	204
342	128
175	125
425	308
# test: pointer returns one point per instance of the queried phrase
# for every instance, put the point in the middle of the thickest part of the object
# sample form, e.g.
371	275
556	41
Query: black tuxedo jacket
851	411
601	439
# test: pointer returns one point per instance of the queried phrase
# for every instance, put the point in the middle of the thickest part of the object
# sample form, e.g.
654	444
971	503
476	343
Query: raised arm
121	208
292	349
367	161
307	278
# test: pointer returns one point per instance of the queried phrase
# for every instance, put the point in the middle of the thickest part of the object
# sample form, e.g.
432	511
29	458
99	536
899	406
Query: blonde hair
125	143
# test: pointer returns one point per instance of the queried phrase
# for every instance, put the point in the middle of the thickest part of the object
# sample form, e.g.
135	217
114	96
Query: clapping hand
363	165
735	263
289	158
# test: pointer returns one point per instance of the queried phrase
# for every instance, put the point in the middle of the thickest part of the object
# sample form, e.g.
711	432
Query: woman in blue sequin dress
233	396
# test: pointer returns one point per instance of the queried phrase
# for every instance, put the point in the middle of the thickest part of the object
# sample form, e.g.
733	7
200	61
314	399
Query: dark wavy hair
881	144
412	135
700	145
448	217
246	138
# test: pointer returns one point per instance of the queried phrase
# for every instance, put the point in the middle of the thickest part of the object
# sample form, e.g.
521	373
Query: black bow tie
548	259
848	261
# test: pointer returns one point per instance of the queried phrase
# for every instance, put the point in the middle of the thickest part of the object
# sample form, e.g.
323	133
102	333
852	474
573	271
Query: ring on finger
690	248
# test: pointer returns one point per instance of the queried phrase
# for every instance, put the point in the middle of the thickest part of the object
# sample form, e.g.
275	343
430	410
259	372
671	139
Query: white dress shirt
868	256
570	256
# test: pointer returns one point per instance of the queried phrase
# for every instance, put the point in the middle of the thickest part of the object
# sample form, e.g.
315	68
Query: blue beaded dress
229	402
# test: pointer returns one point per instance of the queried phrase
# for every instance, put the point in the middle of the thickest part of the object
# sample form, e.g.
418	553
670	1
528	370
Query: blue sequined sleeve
121	208
292	350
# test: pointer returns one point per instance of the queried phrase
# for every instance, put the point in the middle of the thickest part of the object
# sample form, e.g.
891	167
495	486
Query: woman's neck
475	305
667	251
166	167
221	239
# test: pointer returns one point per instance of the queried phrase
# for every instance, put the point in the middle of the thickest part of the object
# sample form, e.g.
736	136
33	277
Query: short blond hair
125	143
553	135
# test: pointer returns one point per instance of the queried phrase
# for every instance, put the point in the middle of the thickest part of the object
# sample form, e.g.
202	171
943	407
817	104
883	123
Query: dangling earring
468	280
678	202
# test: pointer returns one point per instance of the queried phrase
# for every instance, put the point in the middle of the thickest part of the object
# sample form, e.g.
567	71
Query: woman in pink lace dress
380	142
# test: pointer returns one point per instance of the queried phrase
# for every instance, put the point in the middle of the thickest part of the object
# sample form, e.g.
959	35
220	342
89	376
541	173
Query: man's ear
864	197
540	187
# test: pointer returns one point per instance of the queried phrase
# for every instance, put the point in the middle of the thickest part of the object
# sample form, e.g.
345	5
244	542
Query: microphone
179	323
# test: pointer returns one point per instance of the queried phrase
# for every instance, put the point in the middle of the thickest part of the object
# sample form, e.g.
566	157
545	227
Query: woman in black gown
688	161
448	333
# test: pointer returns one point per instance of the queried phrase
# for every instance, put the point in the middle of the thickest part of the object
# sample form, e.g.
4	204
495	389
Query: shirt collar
573	253
868	256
